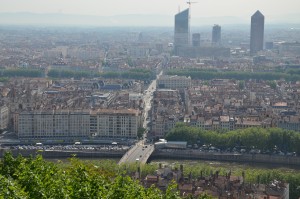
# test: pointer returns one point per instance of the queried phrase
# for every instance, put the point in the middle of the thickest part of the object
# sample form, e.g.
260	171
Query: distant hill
128	20
118	20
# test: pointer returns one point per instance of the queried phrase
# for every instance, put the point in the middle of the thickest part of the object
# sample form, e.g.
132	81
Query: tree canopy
208	74
259	138
138	74
36	178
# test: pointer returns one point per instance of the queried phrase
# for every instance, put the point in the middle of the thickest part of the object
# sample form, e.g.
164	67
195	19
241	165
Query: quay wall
245	158
158	154
63	154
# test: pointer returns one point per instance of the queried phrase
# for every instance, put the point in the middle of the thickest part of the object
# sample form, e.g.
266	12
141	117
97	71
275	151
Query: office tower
216	35
196	39
269	45
257	32
182	30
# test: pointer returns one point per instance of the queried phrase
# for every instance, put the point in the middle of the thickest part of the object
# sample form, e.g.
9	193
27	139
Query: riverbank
177	155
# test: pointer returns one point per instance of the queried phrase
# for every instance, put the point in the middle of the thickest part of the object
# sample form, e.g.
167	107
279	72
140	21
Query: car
137	159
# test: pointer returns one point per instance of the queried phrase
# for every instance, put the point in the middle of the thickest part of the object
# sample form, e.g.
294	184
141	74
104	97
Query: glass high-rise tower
257	32
182	30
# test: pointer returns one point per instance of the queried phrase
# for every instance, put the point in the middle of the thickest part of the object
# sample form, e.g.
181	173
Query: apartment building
289	123
174	82
4	117
122	123
53	124
166	111
108	123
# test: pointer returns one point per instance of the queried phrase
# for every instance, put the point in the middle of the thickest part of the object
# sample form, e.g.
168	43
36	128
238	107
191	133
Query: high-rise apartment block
182	30
216	35
117	123
257	32
78	124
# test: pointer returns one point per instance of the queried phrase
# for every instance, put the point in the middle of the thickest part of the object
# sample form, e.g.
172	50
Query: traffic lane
134	154
138	153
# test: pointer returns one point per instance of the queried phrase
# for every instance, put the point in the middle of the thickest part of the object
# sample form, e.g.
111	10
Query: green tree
141	132
241	85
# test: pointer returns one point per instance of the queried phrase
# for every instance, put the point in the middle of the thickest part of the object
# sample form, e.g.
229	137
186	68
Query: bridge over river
138	153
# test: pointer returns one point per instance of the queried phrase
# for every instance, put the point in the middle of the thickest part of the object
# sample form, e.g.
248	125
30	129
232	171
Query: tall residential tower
182	30
216	35
257	32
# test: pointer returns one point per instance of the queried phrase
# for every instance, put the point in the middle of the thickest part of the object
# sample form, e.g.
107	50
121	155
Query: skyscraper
216	35
257	32
182	30
196	39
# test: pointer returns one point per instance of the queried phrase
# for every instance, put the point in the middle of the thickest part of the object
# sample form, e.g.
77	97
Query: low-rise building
289	123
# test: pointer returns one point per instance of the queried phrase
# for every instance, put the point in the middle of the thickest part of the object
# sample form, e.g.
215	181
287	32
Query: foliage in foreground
35	178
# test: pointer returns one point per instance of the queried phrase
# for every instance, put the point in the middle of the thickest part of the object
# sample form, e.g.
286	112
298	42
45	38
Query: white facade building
108	123
174	82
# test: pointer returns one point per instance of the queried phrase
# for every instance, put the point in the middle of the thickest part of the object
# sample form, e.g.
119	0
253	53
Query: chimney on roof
243	175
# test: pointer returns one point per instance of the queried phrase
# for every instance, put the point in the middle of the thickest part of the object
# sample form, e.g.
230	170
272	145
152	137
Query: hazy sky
204	8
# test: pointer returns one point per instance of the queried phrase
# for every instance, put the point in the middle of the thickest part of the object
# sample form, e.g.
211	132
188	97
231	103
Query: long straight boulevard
141	152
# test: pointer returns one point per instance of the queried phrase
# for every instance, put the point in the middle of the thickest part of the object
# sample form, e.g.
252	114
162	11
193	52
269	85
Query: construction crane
190	3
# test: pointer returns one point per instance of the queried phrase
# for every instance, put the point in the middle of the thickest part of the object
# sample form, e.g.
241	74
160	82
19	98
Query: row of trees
35	178
259	138
239	75
3	79
56	73
139	74
21	72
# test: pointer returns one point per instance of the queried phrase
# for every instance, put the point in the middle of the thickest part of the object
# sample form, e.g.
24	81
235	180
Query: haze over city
150	99
137	12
